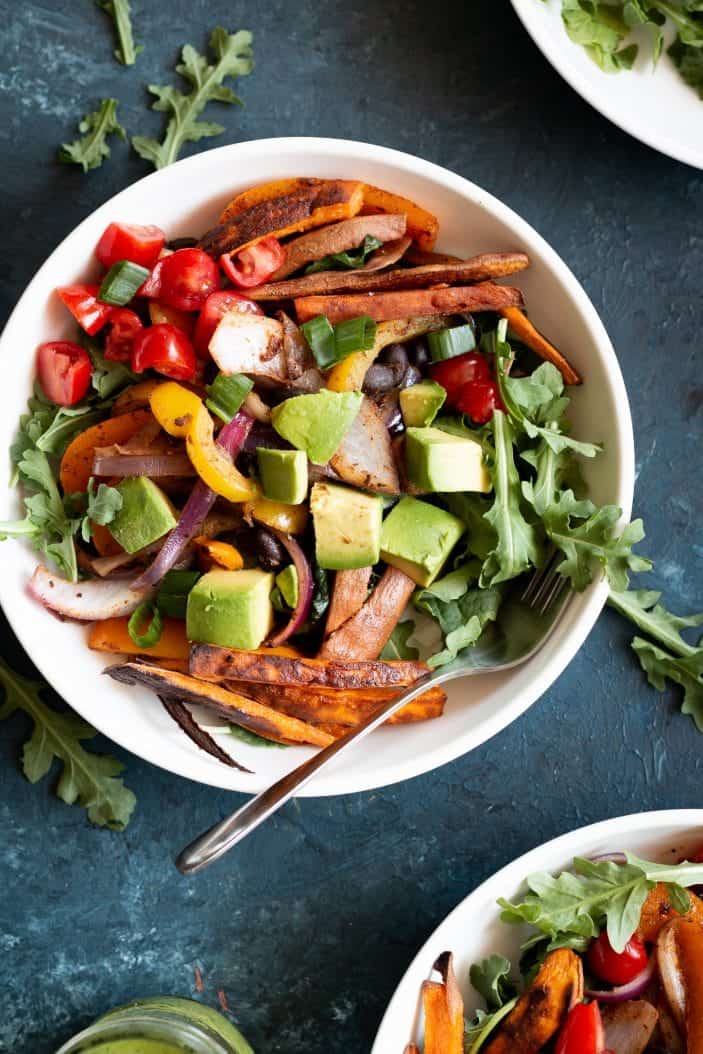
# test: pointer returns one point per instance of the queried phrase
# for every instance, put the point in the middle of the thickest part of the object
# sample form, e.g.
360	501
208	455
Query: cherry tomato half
64	370
124	326
479	399
82	301
128	241
165	349
582	1032
255	265
183	279
213	311
454	374
616	967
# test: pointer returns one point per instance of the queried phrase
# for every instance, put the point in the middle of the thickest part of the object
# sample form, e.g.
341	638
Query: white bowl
474	930
654	105
186	199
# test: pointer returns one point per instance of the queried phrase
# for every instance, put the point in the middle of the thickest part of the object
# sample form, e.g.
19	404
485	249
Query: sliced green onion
320	336
346	261
356	334
227	393
448	343
121	283
152	634
173	593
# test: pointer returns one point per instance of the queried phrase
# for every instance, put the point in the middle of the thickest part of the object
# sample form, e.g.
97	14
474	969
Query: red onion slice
305	589
88	601
201	500
613	858
153	465
632	990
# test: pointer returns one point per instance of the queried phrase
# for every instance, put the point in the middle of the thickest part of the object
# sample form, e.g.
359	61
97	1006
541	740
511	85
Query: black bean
182	243
381	377
395	423
394	354
411	376
269	550
419	354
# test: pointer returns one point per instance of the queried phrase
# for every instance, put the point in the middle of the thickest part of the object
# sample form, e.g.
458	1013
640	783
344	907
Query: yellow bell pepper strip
291	519
181	413
348	375
213	553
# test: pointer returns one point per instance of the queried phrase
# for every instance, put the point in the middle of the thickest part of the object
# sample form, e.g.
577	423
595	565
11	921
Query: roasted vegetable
364	458
338	238
444	1011
349	593
680	962
657	910
112	635
422	226
136	397
477	269
77	461
523	329
542	1009
323	706
365	634
236	708
89	601
202	739
284	207
628	1027
348	375
486	296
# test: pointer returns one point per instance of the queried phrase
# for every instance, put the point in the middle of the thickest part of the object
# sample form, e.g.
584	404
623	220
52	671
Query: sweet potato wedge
236	708
657	911
365	634
422	226
477	269
337	238
336	706
486	296
348	375
541	1010
111	635
281	208
212	663
349	593
444	1011
521	326
689	938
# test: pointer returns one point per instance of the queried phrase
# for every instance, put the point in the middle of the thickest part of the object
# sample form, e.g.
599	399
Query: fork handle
214	843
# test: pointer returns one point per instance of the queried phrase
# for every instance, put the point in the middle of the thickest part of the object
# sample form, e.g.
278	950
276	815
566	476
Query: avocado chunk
230	608
417	538
347	526
420	403
438	461
317	423
287	582
146	514
284	475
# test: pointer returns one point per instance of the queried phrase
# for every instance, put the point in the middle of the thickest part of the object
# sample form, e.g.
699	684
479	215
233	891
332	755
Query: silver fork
526	619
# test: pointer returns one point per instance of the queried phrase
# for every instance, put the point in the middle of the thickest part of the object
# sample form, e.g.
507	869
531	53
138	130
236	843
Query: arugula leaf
103	505
108	378
517	546
251	738
346	261
233	58
119	11
92	148
491	979
687	672
600	29
461	612
642	607
477	1031
480	538
689	62
88	779
397	646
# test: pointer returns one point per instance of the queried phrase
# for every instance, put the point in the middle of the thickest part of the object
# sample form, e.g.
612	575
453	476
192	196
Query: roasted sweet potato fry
486	296
444	1011
477	269
365	634
338	238
111	635
657	911
281	208
236	708
422	225
521	326
227	664
689	939
348	375
349	593
337	706
541	1010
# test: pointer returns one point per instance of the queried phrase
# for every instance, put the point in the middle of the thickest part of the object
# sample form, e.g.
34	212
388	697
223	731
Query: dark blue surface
309	926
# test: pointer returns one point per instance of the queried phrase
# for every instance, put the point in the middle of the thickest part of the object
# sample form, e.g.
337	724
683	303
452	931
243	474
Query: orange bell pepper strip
213	553
77	461
112	635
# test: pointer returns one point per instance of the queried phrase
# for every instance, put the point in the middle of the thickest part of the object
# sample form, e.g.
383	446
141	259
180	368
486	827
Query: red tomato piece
255	265
616	967
82	301
128	241
479	399
165	349
184	279
64	370
454	374
124	326
213	311
582	1032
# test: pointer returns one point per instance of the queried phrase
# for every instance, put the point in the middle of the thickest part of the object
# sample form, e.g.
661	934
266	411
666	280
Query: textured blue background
309	926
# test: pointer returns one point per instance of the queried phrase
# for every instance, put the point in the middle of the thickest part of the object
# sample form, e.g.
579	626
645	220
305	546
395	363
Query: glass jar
167	1025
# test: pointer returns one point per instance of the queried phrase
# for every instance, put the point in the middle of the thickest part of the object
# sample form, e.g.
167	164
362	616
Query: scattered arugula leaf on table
119	10
232	58
91	149
91	780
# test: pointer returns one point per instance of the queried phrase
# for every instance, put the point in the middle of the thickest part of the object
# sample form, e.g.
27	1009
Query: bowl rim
563	846
575	625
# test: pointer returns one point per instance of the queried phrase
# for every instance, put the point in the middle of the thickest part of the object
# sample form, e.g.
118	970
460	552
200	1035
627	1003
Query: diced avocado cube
438	461
287	582
230	608
284	475
417	538
317	423
347	526
420	403
146	514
